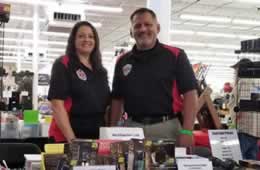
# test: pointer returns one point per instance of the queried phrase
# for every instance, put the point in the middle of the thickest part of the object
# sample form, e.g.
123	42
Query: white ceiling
195	36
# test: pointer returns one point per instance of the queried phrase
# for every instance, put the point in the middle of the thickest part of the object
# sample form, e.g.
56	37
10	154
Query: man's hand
185	140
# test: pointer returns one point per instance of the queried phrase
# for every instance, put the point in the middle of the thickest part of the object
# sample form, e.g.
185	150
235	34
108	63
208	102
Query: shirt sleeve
59	83
185	77
117	82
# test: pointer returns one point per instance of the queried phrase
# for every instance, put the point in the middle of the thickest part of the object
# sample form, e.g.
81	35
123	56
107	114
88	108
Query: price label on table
225	144
100	167
121	133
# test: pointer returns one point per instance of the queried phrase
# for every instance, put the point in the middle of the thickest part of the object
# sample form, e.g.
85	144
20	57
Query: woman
79	91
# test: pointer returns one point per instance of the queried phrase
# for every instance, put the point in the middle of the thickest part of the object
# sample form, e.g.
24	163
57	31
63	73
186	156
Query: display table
201	138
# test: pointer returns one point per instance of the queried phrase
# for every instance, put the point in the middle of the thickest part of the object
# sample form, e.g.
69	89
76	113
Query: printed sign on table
225	144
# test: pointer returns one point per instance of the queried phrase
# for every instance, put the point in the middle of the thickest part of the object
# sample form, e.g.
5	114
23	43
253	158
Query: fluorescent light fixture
103	8
16	47
220	19
223	46
215	34
256	29
216	26
70	5
204	52
55	50
249	1
195	44
14	30
216	59
187	32
193	24
205	18
57	34
71	24
53	43
246	37
21	18
12	17
174	22
18	40
209	45
246	22
40	42
239	28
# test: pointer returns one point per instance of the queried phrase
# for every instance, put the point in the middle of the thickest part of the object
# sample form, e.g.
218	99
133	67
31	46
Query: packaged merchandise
83	152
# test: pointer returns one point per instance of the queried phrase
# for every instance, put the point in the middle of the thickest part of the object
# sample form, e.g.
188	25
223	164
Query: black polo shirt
85	93
149	80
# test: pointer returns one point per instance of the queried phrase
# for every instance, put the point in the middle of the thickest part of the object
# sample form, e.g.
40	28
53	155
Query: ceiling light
18	40
210	45
193	24
246	22
223	46
16	47
188	32
217	59
53	43
204	52
40	42
195	44
25	18
214	34
103	8
14	30
71	24
217	26
205	18
71	5
246	37
239	28
249	1
58	34
55	50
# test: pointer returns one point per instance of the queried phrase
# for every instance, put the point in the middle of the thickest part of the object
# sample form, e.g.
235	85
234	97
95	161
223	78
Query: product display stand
205	100
248	84
4	18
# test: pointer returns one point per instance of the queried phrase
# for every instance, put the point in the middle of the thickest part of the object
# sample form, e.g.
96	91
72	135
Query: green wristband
186	132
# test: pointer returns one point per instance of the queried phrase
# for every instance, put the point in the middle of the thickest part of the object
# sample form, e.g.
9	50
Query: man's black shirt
145	80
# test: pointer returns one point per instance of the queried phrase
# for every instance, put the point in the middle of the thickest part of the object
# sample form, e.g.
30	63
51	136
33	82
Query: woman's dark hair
95	55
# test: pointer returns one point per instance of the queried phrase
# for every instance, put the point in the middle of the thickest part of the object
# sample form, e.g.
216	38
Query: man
247	122
147	78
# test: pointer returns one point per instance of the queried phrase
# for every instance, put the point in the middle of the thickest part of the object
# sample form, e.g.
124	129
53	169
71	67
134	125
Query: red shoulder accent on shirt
174	50
65	60
177	103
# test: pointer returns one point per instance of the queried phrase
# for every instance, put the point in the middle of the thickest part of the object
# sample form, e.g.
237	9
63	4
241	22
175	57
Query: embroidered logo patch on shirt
127	69
81	74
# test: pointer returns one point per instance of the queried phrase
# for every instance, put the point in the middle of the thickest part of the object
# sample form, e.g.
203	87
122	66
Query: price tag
121	133
191	164
225	144
100	167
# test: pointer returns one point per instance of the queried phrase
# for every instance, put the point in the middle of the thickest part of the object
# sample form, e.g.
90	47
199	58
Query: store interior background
209	31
